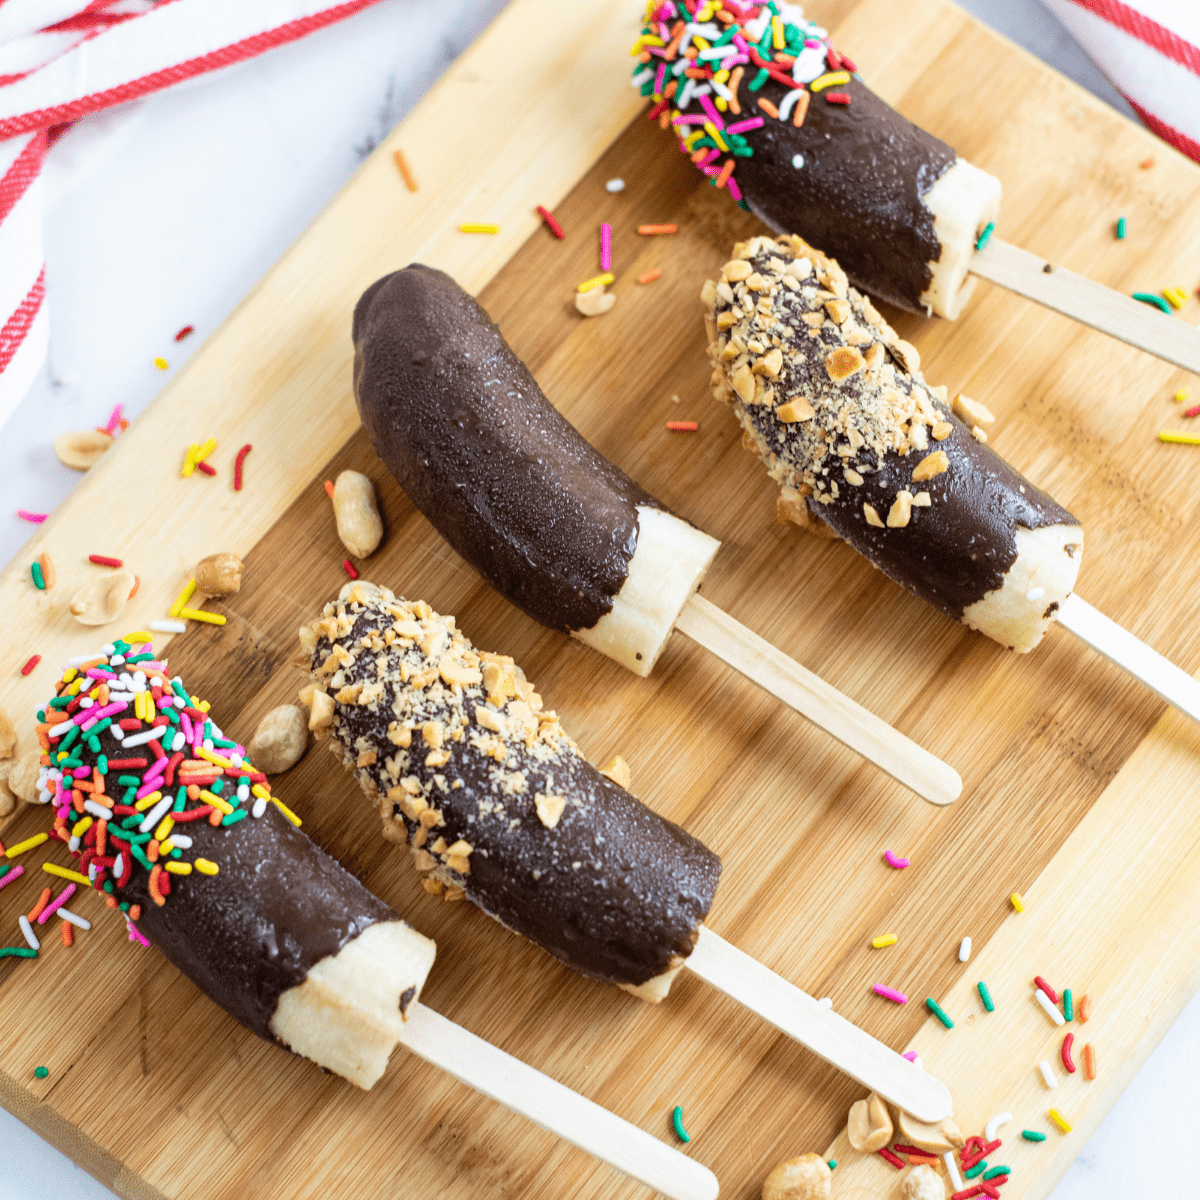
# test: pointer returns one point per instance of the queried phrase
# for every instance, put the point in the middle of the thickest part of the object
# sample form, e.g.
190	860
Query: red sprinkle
650	276
33	662
837	97
329	488
126	762
1067	1060
349	568
203	466
184	332
967	1193
901	1148
1038	981
981	1152
683	426
237	466
103	560
549	218
894	1159
1194	411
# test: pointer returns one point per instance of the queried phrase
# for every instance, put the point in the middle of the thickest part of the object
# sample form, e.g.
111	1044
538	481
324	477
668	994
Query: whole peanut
81	448
104	599
219	575
280	739
358	522
805	1178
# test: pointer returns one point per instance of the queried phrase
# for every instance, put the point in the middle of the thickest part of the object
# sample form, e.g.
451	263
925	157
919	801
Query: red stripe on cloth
1168	133
17	326
156	80
18	76
24	170
1137	25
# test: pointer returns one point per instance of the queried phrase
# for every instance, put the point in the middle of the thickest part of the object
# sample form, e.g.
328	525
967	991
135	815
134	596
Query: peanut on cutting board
869	1125
8	736
23	777
280	739
595	302
923	1183
7	800
937	1139
104	599
805	1178
359	524
219	575
81	448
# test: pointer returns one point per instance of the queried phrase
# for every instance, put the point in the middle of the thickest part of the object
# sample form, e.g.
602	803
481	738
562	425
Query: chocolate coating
859	194
612	890
244	936
458	419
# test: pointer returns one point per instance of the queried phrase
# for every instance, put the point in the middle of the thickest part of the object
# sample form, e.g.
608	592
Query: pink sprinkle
911	1055
114	421
708	159
660	78
694	120
734	190
135	935
34	518
742	126
890	994
56	903
893	861
710	108
606	247
15	873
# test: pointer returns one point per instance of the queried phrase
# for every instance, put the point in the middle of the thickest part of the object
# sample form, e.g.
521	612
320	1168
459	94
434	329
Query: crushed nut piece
930	466
872	516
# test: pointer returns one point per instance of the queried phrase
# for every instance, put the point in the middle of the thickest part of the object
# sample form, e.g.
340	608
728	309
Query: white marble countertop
166	212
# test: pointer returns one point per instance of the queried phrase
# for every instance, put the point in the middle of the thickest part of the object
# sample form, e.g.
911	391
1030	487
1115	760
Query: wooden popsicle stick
829	1036
1118	645
1092	303
819	701
547	1103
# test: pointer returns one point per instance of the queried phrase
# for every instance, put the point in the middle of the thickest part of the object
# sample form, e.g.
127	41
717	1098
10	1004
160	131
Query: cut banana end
668	565
349	1012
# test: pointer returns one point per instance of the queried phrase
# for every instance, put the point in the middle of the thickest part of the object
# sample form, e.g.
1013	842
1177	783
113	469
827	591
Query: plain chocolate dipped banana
835	405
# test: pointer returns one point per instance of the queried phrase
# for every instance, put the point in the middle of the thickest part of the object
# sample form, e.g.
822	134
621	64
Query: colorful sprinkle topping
677	1120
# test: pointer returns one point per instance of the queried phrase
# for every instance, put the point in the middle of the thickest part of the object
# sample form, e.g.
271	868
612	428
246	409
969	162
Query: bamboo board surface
1077	782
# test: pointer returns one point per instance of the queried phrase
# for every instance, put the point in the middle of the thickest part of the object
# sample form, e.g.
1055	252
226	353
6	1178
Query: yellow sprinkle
777	32
596	281
1060	1120
205	867
212	756
64	873
166	846
1175	297
693	137
137	637
216	802
721	76
189	460
26	845
721	104
198	614
188	592
829	80
479	228
206	449
1180	439
261	792
884	939
204	706
1182	395
149	802
287	812
74	689
161	363
70	674
714	133
81	827
179	868
164	828
1018	901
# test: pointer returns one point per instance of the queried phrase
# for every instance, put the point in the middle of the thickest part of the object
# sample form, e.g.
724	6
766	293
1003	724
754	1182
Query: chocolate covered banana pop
550	523
499	807
837	408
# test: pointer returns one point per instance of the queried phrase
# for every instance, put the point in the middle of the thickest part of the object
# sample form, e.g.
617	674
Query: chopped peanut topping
930	466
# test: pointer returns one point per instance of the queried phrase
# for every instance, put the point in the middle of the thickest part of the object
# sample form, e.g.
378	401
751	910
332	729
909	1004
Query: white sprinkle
615	185
1051	1011
153	817
181	840
169	626
964	953
236	759
178	742
952	1170
260	807
919	1063
119	865
30	936
1047	1074
73	844
117	660
797	161
118	734
826	1002
993	1126
147	735
111	648
810	63
243	792
93	871
74	918
98	810
637	81
1035	594
789	102
685	97
87	702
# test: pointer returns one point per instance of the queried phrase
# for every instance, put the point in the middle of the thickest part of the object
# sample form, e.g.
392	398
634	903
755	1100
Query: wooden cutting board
1079	786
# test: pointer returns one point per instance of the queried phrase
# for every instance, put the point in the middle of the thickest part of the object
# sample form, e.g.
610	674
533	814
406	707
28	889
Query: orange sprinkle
734	80
68	938
683	426
650	276
1089	1062
653	230
43	900
1146	164
410	180
726	171
155	894
664	119
135	912
137	583
927	1159
801	109
329	488
769	108
696	73
1081	1009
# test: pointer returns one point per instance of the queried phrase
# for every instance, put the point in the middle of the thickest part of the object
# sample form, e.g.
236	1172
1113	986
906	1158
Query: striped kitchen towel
1150	49
63	59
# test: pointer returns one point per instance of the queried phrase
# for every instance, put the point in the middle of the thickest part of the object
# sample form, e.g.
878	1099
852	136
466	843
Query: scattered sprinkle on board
410	180
888	993
41	1072
650	276
1121	228
349	568
1060	1120
551	222
615	185
1032	1135
1017	901
1156	301
31	663
239	466
895	861
683	426
884	939
105	560
986	996
657	230
32	517
677	1120
478	227
1179	439
596	281
939	1012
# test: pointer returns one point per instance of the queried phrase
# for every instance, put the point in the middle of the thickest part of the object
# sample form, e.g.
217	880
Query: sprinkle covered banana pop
835	405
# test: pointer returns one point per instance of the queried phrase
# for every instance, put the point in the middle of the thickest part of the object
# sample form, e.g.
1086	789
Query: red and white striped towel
63	59
1150	49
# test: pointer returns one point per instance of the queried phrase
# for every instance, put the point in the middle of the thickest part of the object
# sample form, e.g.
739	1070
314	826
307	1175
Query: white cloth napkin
1150	50
63	59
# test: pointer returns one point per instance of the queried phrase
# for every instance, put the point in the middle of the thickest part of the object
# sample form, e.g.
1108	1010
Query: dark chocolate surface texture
508	482
613	890
244	936
858	196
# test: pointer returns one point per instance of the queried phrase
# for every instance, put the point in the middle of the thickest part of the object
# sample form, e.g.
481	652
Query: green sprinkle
140	855
937	1010
108	887
1151	298
224	743
136	658
997	1171
180	691
4	869
41	715
180	800
1068	1005
985	236
130	821
121	646
41	1072
61	701
130	794
1032	1135
176	853
1121	229
726	37
218	785
17	952
759	79
93	743
977	1169
102	764
39	581
234	817
71	761
134	781
986	996
832	1164
68	737
124	906
676	1116
171	715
